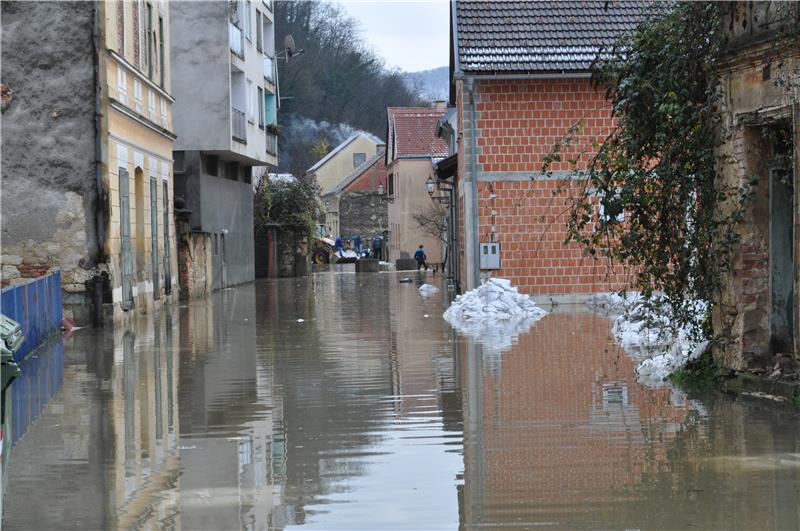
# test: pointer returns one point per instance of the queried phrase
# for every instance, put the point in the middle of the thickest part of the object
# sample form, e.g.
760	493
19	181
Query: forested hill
432	85
337	84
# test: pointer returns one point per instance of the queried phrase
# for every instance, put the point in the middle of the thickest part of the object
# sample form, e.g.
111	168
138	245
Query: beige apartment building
87	152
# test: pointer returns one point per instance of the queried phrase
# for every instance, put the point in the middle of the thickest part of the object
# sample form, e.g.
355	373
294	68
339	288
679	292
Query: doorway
781	259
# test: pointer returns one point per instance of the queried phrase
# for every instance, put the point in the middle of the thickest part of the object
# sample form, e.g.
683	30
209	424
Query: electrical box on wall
490	255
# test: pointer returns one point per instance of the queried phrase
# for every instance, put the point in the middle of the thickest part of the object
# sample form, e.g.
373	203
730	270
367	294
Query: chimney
440	105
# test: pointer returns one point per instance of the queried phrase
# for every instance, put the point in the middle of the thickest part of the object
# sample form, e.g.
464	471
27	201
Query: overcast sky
409	34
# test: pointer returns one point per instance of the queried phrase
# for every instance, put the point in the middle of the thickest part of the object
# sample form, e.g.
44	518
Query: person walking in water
421	259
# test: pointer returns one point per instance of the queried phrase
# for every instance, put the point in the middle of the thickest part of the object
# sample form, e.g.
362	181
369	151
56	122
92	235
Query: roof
413	130
361	168
321	162
539	36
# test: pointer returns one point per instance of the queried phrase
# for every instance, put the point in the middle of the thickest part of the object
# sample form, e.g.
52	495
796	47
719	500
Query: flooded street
344	401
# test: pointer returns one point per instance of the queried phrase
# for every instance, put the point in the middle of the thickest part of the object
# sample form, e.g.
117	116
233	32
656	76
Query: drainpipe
471	212
100	199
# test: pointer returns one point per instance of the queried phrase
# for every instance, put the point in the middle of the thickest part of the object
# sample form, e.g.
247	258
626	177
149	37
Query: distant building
411	150
226	110
357	205
87	138
338	165
758	307
519	86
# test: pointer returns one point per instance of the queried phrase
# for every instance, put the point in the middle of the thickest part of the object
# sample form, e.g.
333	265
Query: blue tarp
36	306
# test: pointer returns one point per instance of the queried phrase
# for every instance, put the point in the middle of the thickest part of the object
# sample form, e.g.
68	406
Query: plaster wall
201	77
410	196
49	194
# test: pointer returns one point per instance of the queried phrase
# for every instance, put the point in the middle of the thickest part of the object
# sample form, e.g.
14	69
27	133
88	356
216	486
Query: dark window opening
391	185
179	159
212	165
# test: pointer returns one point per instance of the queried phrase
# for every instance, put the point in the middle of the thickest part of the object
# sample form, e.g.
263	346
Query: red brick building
520	81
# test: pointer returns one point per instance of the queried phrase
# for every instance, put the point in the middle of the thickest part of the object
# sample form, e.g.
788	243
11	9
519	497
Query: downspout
474	273
100	196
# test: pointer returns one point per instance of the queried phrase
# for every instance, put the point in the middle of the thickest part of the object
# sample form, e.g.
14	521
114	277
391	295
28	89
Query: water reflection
344	401
560	434
103	453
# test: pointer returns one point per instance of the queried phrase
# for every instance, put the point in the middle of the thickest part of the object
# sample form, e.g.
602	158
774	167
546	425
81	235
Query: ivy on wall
657	174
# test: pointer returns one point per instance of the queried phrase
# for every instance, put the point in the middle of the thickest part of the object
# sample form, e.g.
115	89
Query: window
259	32
212	164
163	112
149	29
358	159
261	107
137	94
122	84
161	49
249	102
248	32
390	192
151	104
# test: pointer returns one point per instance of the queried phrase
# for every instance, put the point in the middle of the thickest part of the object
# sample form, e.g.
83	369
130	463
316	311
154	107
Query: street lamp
430	185
380	189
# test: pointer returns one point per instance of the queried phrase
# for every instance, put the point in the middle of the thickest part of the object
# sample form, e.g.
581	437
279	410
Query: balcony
272	144
239	125
236	40
269	68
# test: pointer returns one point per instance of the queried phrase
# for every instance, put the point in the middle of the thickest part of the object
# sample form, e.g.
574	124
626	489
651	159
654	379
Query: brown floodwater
344	401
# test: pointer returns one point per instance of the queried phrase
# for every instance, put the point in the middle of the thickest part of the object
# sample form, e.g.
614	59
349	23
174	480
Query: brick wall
518	123
369	180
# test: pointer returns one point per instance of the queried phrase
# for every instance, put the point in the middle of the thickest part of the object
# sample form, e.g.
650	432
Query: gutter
473	183
548	75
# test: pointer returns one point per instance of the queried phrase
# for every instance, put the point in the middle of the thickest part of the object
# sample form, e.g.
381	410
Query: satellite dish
288	44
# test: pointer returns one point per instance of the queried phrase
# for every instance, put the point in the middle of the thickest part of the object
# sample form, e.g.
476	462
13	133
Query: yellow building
137	135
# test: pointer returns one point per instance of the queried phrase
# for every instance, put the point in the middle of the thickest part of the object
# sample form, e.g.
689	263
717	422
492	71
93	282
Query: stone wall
49	199
195	272
292	251
362	214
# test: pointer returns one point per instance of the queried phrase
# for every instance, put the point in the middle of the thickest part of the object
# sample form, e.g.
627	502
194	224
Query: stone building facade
514	103
757	313
87	152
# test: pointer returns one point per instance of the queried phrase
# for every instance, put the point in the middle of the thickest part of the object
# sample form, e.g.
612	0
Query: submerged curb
759	386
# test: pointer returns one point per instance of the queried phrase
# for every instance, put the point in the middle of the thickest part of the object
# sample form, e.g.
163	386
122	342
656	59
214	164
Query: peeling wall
758	92
48	143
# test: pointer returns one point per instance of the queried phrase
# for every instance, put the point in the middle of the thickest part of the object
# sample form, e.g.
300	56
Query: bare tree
433	221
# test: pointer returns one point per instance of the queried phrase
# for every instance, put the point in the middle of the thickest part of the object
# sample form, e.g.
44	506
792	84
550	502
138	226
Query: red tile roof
412	132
